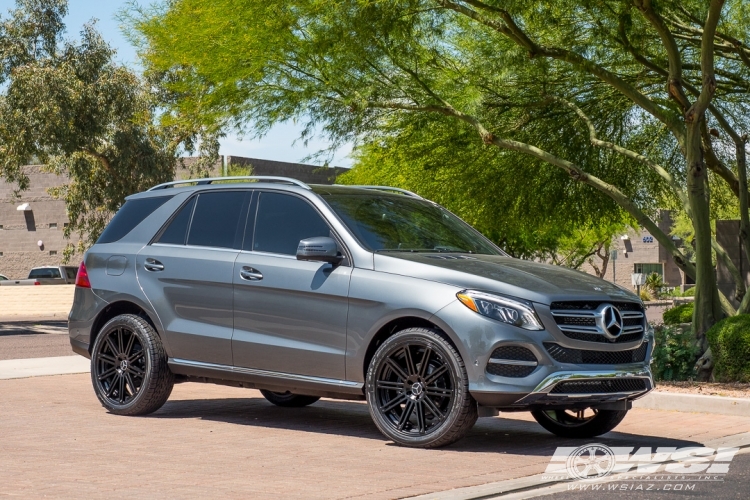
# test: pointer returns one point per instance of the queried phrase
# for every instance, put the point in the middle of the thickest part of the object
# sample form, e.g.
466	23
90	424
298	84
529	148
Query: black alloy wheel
417	390
579	423
129	367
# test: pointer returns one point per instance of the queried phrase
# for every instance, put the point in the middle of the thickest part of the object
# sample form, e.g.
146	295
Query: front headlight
514	312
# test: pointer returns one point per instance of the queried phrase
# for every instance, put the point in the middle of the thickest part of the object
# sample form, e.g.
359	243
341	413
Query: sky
276	145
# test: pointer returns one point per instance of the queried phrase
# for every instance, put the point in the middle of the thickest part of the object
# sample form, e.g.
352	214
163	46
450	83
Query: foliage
674	354
654	284
645	295
690	292
70	106
576	88
730	346
679	314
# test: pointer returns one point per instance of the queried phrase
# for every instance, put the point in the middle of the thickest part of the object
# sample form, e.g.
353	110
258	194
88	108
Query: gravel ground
732	390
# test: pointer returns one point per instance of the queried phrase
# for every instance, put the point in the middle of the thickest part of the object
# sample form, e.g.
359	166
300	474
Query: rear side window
44	273
176	232
282	221
132	213
216	218
70	272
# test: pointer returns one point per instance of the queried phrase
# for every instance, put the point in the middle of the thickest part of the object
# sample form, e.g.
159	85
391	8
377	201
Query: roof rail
388	188
211	180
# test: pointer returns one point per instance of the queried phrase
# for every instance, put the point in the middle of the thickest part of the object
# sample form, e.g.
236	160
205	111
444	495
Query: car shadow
344	418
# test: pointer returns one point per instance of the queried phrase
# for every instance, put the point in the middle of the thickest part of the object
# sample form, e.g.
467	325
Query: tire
407	396
564	424
129	368
287	399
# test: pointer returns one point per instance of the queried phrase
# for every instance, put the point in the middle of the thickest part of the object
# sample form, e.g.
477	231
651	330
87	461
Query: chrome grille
582	320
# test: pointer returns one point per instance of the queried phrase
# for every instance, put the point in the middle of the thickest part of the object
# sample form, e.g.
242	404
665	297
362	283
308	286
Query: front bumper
550	384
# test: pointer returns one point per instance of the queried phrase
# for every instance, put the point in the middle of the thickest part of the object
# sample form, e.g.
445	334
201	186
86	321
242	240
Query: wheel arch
117	308
395	325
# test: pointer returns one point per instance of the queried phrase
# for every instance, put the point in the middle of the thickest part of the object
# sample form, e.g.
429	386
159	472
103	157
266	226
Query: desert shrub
645	296
674	353
730	347
680	314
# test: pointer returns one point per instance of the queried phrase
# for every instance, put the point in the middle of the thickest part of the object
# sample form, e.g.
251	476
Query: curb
38	367
694	403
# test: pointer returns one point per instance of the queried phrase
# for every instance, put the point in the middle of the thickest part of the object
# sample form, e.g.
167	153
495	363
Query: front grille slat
583	357
607	386
576	320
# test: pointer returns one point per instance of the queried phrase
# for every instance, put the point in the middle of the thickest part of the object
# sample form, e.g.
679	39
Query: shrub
645	296
730	347
680	314
690	292
674	354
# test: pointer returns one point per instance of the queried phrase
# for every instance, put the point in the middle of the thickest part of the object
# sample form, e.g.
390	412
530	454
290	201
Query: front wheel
129	367
418	390
585	423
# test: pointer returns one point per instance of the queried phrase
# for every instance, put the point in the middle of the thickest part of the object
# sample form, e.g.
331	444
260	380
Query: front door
289	315
187	275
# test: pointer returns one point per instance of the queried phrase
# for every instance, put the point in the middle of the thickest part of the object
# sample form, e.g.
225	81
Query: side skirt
195	371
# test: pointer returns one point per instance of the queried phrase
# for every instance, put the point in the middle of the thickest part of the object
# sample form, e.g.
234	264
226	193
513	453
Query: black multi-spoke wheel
287	399
129	367
417	390
579	423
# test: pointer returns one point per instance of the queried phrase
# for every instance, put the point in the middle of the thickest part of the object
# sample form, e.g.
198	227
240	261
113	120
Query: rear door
289	315
186	273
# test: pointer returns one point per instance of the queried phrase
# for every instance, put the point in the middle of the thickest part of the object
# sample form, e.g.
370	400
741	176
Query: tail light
36	283
82	277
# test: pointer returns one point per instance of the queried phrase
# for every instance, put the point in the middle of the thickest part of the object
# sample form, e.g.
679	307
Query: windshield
398	223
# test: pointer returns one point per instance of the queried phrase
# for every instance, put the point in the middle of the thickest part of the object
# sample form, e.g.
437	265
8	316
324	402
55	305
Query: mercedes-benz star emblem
612	323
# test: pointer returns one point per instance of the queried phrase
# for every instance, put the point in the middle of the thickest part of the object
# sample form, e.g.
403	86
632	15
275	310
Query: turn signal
82	278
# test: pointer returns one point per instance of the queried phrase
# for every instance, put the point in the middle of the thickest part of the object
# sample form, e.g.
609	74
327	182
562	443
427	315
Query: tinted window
44	273
283	220
176	232
130	215
215	219
71	272
401	223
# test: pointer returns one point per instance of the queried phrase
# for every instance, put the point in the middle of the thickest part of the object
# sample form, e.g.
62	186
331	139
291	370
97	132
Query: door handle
153	265
248	273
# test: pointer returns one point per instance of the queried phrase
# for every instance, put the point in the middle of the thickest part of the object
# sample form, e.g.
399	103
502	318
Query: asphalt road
28	339
736	485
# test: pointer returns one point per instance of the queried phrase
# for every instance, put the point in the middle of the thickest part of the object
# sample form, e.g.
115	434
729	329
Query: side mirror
319	248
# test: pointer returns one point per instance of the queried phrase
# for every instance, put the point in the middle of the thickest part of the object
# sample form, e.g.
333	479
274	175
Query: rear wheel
129	367
418	390
287	399
585	423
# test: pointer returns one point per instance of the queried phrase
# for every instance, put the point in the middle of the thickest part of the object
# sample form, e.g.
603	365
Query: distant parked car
46	275
3	278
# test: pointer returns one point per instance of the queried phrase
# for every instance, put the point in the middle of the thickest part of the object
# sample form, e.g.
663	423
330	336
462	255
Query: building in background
31	228
639	252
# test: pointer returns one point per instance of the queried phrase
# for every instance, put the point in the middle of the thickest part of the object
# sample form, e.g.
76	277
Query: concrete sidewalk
36	367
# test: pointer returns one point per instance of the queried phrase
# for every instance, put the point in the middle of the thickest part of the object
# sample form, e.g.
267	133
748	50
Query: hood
524	279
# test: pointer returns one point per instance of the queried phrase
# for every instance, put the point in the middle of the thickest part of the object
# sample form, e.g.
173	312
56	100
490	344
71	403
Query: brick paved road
34	339
211	441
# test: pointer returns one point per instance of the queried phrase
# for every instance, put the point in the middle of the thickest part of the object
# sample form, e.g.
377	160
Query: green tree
645	87
69	106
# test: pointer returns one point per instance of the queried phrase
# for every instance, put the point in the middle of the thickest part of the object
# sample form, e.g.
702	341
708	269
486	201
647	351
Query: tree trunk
707	306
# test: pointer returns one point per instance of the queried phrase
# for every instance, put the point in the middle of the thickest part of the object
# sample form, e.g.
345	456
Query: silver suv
350	292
